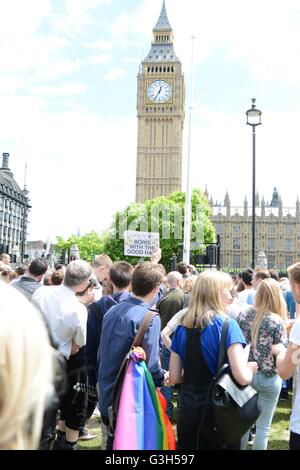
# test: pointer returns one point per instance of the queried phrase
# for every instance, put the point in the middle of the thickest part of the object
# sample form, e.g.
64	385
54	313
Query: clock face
159	91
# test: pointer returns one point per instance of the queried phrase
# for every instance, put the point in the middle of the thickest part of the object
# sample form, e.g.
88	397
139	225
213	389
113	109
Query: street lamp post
253	120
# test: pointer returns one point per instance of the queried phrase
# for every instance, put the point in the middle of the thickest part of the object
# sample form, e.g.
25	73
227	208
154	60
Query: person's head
268	300
210	297
258	276
294	277
182	268
26	371
87	295
120	274
77	275
101	266
274	274
5	258
146	280
175	280
57	278
189	284
6	275
192	270
246	277
60	267
38	268
20	270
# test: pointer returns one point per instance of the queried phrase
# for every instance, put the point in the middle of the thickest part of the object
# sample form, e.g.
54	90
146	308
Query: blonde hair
268	300
189	284
206	299
26	371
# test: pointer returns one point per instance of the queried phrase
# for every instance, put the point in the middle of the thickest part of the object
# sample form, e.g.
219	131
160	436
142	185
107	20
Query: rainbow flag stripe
142	423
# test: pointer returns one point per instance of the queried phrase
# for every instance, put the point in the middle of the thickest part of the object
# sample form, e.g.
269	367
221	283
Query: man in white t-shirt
288	361
66	318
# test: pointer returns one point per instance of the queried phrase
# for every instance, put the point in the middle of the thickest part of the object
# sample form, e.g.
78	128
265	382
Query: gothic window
271	229
289	260
168	69
288	229
271	244
271	261
237	228
289	244
236	261
160	69
165	68
152	70
5	217
156	69
149	69
219	228
236	243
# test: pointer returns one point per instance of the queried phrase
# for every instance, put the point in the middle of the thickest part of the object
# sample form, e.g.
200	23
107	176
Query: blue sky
68	73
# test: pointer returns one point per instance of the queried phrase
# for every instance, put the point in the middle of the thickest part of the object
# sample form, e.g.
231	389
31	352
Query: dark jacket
96	312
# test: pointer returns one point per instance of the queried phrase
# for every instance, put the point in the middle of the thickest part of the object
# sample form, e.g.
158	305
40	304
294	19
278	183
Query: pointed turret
275	199
298	209
257	200
246	207
227	204
163	23
263	207
162	45
280	211
206	192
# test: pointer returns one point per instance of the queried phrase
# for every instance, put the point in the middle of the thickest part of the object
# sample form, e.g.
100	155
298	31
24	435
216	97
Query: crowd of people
72	326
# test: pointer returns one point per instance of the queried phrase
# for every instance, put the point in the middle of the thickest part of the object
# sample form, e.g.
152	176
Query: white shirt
243	296
295	417
65	315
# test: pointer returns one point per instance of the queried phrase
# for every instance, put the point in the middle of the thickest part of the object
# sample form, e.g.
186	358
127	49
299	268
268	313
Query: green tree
89	245
166	216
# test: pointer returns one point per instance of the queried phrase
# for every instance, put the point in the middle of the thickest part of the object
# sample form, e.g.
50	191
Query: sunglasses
90	284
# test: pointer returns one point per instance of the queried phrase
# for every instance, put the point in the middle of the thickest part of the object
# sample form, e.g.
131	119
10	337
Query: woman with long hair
26	371
194	360
264	326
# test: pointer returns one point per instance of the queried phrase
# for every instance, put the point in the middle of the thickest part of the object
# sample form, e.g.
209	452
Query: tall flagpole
188	196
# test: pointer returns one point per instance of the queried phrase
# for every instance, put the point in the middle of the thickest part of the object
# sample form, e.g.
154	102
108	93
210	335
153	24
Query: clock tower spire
160	112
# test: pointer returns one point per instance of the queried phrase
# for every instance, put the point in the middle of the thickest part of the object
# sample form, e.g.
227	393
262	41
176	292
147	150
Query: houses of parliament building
277	232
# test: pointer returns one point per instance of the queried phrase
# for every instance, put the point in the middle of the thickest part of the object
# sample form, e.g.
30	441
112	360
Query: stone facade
14	208
277	232
160	111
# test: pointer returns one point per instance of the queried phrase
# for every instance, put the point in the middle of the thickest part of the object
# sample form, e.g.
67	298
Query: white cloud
99	59
63	90
101	44
114	74
131	60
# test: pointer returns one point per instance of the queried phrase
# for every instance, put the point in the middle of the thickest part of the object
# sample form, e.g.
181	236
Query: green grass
279	438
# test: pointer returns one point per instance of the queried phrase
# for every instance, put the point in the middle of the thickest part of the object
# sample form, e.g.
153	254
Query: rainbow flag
142	422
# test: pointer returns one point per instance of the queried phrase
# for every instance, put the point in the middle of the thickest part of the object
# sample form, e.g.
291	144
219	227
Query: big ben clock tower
160	110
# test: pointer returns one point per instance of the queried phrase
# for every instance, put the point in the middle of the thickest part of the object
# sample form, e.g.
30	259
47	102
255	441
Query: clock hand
158	93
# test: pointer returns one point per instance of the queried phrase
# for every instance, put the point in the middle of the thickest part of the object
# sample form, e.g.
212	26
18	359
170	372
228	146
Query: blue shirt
210	341
120	325
291	304
96	312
